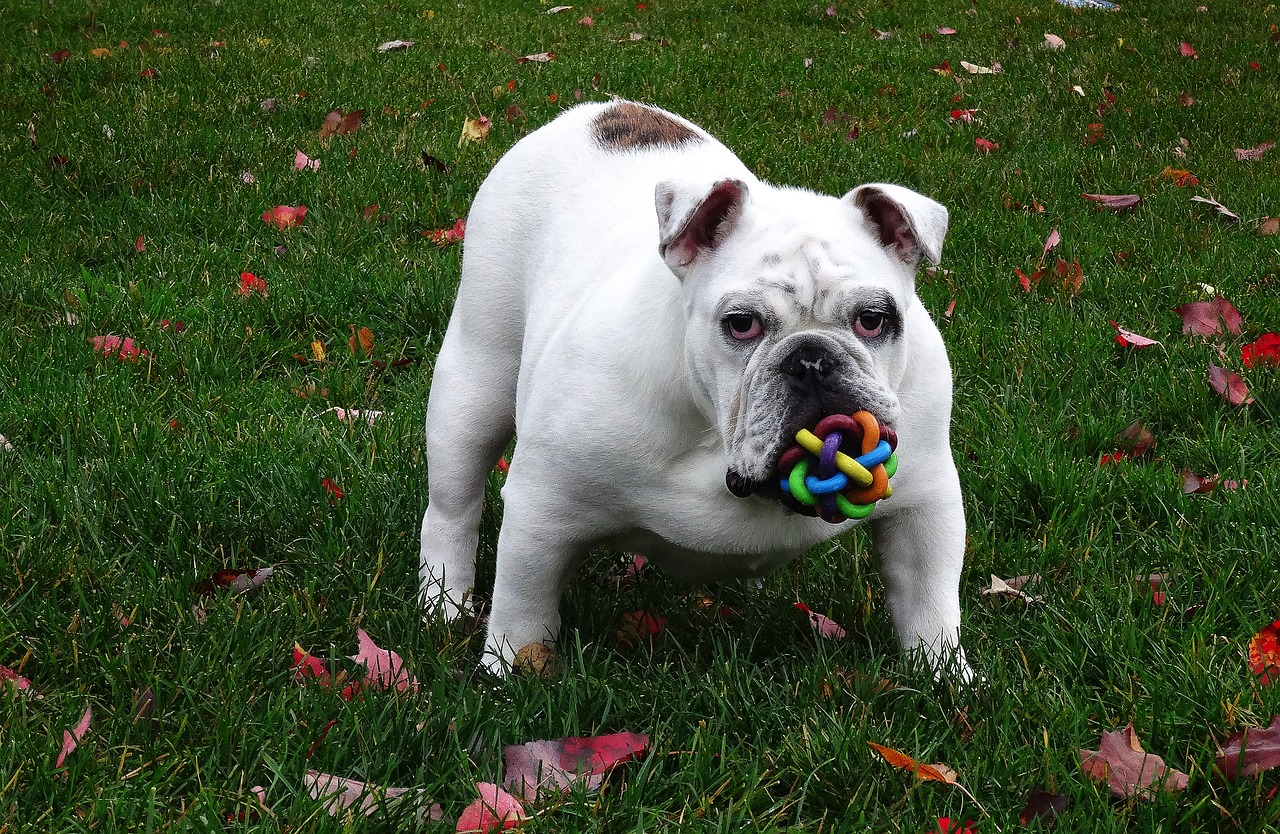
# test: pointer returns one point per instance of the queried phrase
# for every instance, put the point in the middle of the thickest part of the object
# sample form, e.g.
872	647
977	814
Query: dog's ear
909	224
694	218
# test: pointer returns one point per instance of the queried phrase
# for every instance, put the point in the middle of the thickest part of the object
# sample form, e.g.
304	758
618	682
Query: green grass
130	482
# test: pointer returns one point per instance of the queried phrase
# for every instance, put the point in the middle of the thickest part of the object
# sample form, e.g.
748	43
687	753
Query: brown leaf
1128	770
1136	440
1013	587
361	341
1251	751
1269	226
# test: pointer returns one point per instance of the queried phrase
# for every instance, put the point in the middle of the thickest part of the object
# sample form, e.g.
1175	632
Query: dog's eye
869	324
743	326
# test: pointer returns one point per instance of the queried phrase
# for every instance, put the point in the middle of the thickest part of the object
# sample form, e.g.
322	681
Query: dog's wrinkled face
801	317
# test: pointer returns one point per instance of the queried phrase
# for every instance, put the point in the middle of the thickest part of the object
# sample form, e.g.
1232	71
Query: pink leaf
1115	202
494	809
945	30
1231	318
122	347
1255	153
1051	241
12	681
71	738
1127	338
1201	317
1187	50
985	145
301	161
824	625
1229	385
383	668
443	237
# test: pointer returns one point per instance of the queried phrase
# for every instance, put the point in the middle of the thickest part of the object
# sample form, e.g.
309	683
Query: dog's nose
808	361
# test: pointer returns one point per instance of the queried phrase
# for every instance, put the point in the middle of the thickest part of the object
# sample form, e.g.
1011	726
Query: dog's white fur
590	323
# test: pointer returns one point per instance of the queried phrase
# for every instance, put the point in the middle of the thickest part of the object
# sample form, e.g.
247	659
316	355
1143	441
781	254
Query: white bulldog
655	324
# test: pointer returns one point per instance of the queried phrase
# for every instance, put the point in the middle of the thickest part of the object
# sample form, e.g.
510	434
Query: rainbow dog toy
845	486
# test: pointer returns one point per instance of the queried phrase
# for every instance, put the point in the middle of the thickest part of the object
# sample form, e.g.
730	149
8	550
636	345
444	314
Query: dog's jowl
655	324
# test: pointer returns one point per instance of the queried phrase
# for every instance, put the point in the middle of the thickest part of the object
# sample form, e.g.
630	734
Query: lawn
142	144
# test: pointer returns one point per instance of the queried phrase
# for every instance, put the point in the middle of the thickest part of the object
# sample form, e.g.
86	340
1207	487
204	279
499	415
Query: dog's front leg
921	554
536	561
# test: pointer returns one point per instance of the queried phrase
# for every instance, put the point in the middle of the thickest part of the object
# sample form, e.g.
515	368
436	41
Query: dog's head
796	305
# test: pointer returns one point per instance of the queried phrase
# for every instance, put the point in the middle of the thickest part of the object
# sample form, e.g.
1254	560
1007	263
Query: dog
655	323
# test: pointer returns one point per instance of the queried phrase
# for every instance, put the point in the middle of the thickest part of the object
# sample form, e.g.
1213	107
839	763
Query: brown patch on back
625	126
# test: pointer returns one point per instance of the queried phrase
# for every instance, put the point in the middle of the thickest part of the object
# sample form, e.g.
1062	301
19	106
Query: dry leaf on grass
1128	770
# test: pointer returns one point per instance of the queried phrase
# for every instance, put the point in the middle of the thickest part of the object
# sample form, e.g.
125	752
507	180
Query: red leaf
948	826
1127	769
249	284
643	625
60	56
1115	202
140	245
494	809
1263	350
1251	751
1127	338
1187	50
444	237
986	146
965	116
335	491
1193	484
1264	654
284	217
1025	281
306	667
71	738
1201	317
1229	385
1094	133
1231	318
124	348
383	668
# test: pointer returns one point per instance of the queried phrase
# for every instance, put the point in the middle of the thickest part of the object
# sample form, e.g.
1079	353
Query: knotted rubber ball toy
854	459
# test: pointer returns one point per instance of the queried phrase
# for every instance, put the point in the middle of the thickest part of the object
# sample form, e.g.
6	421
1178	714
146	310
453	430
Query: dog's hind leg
470	421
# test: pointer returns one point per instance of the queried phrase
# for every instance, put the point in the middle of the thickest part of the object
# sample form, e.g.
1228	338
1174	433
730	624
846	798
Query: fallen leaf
60	56
1156	583
1127	338
301	161
976	69
537	58
1043	805
1128	770
945	30
1269	226
1229	385
943	68
284	217
390	45
965	116
444	237
1115	202
946	825
1054	42
123	348
824	625
1071	275
1202	317
538	770
232	581
71	738
383	668
1094	133
432	163
985	145
1250	751
1187	50
474	130
1179	176
558	9
12	682
307	668
1013	588
335	491
360	341
494	809
352	414
1185	99
249	284
1264	654
338	794
1265	350
1051	241
1223	210
335	122
923	772
1193	484
642	626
